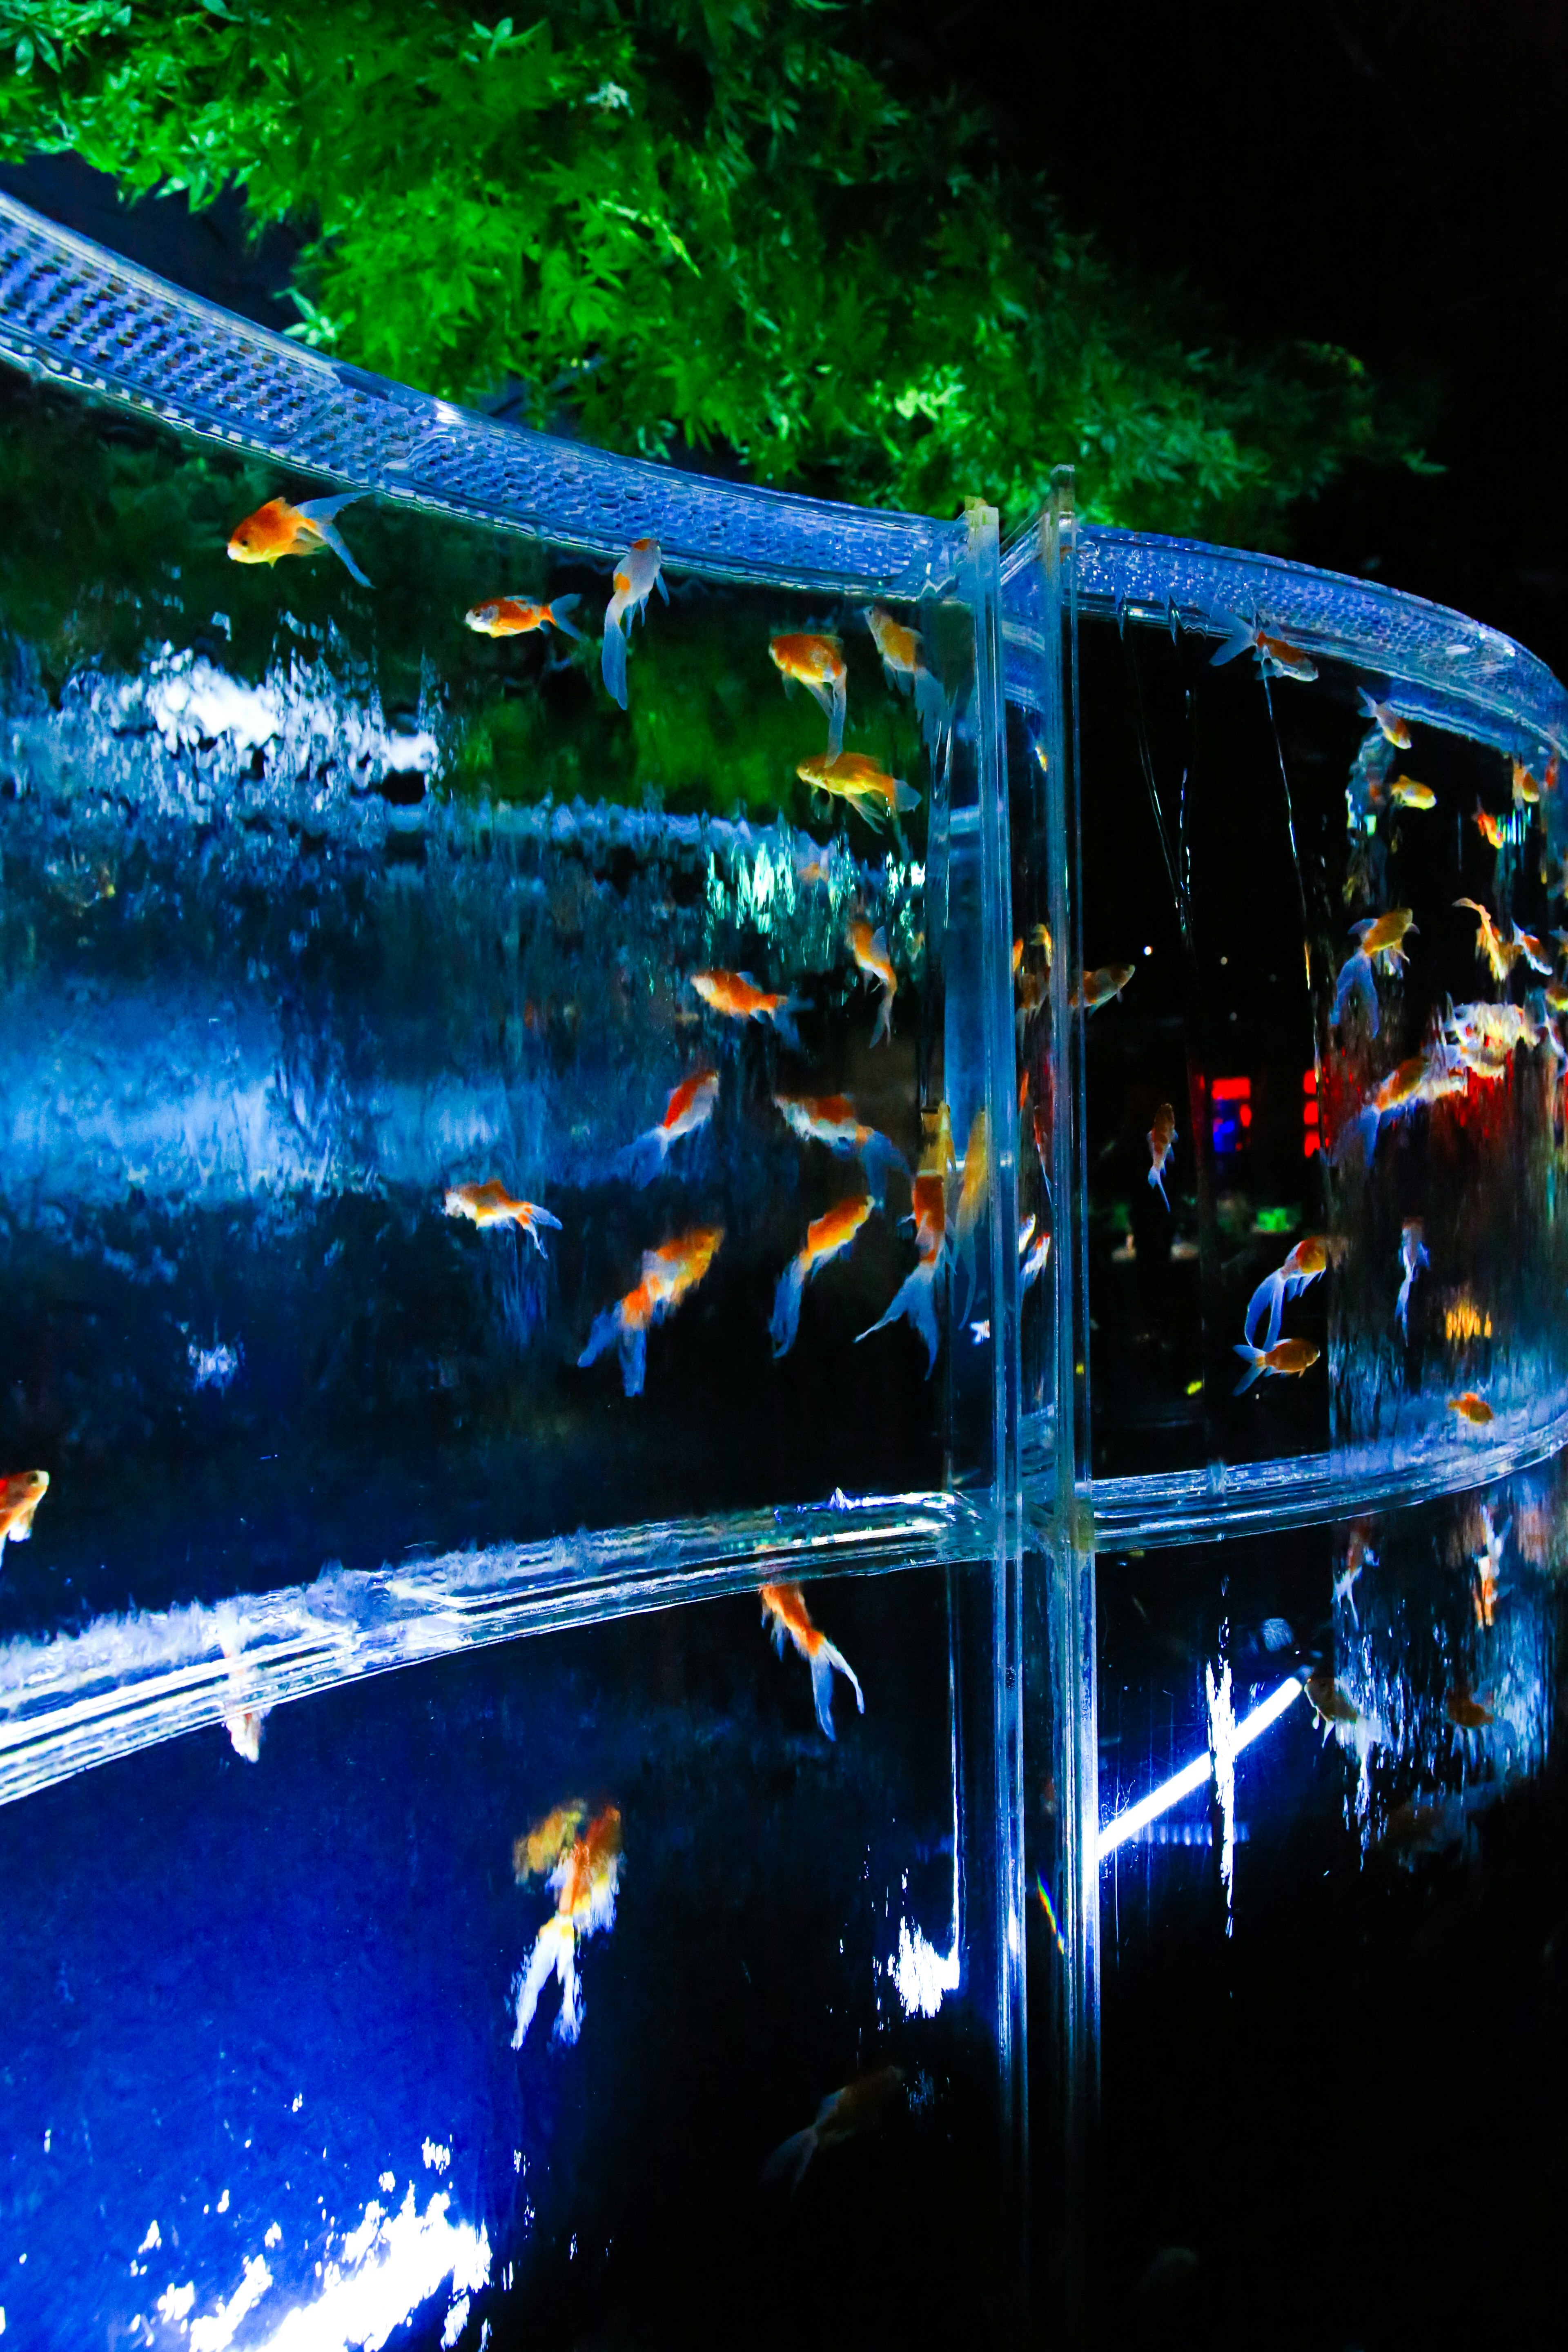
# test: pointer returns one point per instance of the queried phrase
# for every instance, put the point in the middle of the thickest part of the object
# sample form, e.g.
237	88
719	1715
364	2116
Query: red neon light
1231	1089
1310	1114
1246	1114
1308	1145
1308	1082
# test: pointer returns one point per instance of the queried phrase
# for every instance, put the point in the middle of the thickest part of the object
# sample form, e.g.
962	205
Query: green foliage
662	219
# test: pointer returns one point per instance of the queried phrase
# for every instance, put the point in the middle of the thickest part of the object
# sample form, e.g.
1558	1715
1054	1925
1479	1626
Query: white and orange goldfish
690	1107
1526	791
787	1618
492	1204
1097	988
505	616
818	664
1034	1255
1488	1570
279	528
637	573
1162	1143
904	665
584	1880
669	1274
830	1119
1388	721
870	950
1380	940
736	995
1422	1079
826	1236
20	1494
1359	1555
1301	1267
1277	658
851	776
1412	1256
859	2106
916	1296
1288	1356
535	1854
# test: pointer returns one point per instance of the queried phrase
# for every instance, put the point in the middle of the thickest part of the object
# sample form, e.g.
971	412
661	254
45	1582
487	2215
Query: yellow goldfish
818	664
854	777
1405	793
504	616
1291	1356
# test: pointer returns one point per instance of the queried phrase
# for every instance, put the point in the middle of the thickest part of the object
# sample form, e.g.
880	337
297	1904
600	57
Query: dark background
1382	174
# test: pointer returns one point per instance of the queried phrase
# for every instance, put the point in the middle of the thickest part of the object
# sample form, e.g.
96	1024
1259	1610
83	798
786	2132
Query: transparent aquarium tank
781	1324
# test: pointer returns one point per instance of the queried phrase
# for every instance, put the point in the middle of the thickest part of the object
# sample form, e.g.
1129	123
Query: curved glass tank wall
682	1044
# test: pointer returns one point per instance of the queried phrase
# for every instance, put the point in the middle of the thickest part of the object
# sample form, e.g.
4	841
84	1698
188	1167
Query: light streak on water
1193	1777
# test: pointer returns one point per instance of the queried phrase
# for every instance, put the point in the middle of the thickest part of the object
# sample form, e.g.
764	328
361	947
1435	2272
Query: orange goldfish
583	1881
870	950
1526	791
279	528
1162	1143
1302	1265
1285	1355
689	1107
1359	1555
1276	656
851	776
1465	1712
1422	1078
637	573
738	997
1490	829
904	665
818	664
916	1296
826	1236
1393	727
1329	1703
1472	1408
492	1205
858	2107
1405	793
20	1495
789	1620
536	1855
1383	938
503	617
1098	987
830	1119
669	1274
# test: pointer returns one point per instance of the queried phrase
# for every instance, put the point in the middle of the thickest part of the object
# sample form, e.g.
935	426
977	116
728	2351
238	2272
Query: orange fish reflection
583	1879
859	2106
870	950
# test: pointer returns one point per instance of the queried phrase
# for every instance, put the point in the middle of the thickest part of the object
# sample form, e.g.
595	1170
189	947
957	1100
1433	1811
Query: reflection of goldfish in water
1413	1255
1031	1261
818	664
242	1723
279	528
1277	656
536	1855
870	950
972	1195
785	1614
826	1236
904	665
1490	828
1097	988
1488	1567
916	1295
1405	793
1162	1143
852	777
1472	1408
690	1107
1422	1079
504	616
1526	791
1415	1828
859	2106
737	996
1288	1356
669	1274
1465	1711
637	572
830	1119
1382	938
20	1495
1329	1704
492	1205
1388	721
583	1881
1301	1267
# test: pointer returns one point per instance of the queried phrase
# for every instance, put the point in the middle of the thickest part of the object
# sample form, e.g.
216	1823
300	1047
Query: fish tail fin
542	1221
825	1662
1365	1125
1239	638
790	2158
320	511
1355	978
931	708
641	1161
783	1022
879	1156
905	798
1254	1360
546	1959
613	656
633	1359
659	583
1157	1178
837	710
606	1331
1401	1311
916	1298
558	610
883	1028
328	533
786	1321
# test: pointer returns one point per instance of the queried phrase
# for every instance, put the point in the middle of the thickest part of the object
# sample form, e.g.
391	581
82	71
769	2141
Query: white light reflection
1193	1777
394	2264
922	1974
